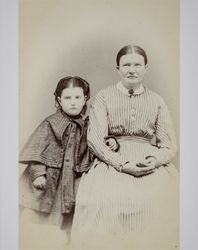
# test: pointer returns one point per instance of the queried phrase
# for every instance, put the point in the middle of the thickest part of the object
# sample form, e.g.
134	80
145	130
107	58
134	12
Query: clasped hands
147	166
140	169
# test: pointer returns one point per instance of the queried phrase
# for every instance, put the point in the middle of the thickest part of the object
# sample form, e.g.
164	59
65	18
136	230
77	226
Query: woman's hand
137	171
150	161
40	182
112	144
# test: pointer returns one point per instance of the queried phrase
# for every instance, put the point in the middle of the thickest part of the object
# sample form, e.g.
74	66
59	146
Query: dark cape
59	144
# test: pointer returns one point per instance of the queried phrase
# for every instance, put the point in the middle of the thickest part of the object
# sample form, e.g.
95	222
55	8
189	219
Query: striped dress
119	211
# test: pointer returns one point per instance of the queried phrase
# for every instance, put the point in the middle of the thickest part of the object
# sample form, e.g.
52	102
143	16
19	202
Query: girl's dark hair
72	81
129	49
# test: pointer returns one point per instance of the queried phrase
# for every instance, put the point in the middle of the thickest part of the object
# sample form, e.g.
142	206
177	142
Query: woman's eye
138	64
78	97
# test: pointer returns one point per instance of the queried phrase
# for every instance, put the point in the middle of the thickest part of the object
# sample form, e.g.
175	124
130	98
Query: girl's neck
71	117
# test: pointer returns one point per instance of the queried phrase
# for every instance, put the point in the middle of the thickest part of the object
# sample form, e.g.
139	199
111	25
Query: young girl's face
72	100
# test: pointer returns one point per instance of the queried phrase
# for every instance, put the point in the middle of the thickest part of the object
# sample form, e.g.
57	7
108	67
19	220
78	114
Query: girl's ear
59	100
85	99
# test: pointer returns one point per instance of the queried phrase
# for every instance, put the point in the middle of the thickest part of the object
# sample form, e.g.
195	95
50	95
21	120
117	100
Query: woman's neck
130	86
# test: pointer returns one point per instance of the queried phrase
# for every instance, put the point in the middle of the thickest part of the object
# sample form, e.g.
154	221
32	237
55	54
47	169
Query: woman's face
72	100
132	69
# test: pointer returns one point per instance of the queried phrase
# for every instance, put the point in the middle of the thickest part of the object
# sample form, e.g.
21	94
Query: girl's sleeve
36	145
35	170
165	136
98	131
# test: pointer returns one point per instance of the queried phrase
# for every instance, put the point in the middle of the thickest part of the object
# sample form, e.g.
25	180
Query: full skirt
119	211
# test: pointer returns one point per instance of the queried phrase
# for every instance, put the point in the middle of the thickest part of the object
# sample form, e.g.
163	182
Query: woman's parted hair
72	81
129	49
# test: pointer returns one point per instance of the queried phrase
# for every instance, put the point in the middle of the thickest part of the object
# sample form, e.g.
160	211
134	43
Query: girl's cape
47	146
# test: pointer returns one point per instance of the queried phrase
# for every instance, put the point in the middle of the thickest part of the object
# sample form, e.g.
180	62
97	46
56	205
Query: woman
128	199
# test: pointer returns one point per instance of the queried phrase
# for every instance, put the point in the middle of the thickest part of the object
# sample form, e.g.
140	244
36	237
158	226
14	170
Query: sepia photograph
99	125
98	130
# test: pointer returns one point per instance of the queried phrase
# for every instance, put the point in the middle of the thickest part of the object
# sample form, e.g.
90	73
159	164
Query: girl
56	155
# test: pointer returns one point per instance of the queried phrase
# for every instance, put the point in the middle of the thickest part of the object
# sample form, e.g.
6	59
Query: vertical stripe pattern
144	115
116	207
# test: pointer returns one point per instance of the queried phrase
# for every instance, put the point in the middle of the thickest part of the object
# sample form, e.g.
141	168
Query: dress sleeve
98	131
165	136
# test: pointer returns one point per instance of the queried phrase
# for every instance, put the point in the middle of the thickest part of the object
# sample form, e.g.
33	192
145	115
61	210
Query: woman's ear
146	68
118	70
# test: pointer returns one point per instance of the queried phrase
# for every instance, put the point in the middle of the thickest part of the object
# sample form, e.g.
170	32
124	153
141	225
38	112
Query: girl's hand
137	171
150	161
40	182
112	144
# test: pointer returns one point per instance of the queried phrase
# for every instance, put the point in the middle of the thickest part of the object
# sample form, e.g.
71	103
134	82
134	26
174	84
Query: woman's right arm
98	131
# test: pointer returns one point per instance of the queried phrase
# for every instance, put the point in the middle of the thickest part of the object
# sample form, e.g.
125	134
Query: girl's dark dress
58	150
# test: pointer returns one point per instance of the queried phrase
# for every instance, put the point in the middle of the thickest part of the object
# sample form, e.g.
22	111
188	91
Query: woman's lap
110	203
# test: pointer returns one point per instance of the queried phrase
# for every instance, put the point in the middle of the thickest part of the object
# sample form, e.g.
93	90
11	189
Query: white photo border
9	124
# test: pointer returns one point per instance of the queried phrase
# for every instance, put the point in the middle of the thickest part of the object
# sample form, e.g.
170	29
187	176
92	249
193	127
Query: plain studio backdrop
75	37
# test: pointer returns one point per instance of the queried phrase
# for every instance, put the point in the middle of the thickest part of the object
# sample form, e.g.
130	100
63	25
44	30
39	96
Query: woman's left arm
165	137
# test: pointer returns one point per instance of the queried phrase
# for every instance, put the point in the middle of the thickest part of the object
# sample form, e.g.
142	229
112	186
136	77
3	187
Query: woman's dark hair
129	49
72	81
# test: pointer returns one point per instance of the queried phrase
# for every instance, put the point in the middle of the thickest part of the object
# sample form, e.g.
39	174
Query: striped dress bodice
144	115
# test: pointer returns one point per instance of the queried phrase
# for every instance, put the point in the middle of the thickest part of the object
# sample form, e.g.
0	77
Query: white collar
125	91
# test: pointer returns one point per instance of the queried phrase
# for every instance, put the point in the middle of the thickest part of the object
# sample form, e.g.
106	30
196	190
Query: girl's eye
67	97
126	64
138	64
78	97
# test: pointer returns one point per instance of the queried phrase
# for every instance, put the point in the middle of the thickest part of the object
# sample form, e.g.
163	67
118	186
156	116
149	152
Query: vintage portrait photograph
99	128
